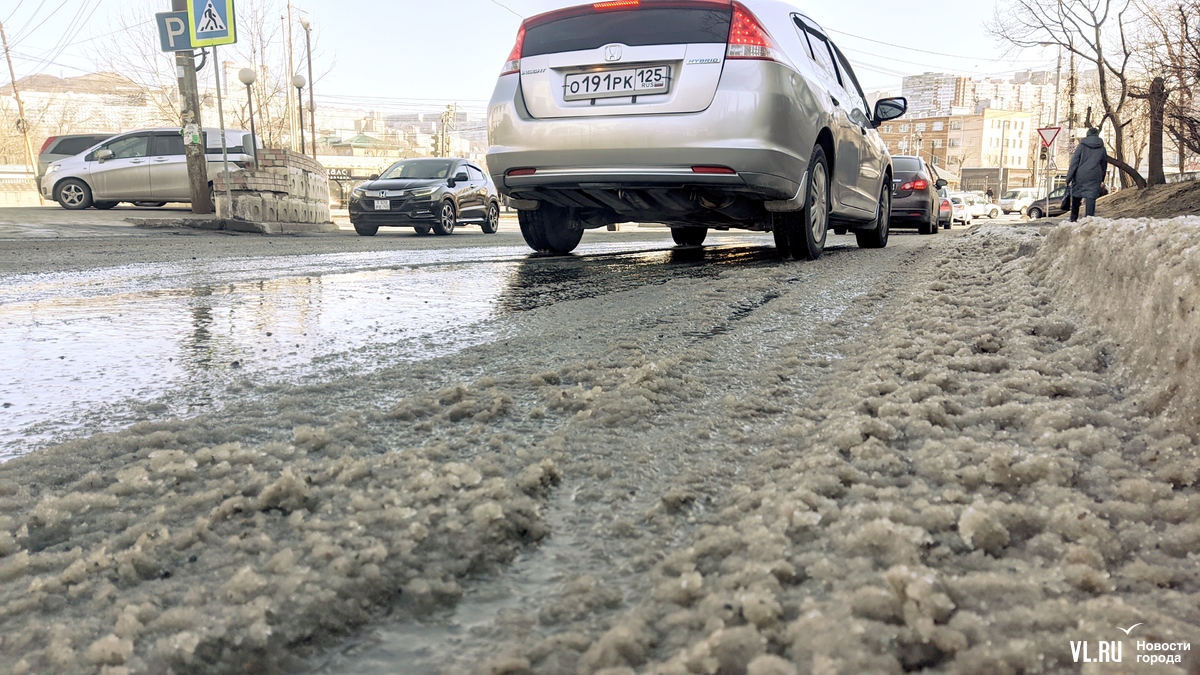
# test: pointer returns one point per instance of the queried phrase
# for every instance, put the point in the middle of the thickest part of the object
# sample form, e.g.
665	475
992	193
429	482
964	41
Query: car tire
366	230
491	224
928	227
447	219
1034	213
549	229
73	194
421	230
877	237
803	233
993	214
153	205
104	206
689	236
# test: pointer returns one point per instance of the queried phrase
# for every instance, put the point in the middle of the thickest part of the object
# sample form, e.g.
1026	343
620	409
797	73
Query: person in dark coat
1089	164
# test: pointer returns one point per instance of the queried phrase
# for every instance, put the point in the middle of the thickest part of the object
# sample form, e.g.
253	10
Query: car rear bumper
760	124
911	209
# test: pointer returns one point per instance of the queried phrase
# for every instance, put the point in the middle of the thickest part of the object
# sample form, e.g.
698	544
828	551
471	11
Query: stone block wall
283	187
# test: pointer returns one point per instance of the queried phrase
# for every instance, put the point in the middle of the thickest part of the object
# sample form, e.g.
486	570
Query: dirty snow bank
1140	280
969	491
169	556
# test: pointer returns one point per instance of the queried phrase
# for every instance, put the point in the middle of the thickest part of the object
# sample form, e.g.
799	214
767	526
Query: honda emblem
612	53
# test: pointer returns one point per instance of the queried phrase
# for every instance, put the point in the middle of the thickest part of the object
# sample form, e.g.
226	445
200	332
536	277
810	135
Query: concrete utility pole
193	133
292	68
21	121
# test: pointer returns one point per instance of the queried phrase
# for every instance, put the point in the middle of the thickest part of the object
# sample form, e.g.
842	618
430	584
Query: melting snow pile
234	557
970	492
1140	280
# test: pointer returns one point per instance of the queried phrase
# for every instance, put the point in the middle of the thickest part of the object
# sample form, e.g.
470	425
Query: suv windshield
419	168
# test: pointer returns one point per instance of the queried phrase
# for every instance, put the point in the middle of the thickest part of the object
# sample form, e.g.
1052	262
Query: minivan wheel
550	229
877	237
492	224
74	195
447	220
689	236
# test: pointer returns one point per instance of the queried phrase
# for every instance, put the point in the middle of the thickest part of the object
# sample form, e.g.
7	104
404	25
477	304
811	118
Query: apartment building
990	139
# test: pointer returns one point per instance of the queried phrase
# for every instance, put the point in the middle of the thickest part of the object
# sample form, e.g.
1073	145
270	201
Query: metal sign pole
224	147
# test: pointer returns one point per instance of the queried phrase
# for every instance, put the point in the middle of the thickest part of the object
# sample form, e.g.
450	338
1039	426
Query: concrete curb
231	225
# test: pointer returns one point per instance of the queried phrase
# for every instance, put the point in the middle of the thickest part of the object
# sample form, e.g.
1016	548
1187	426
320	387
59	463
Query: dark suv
915	199
427	195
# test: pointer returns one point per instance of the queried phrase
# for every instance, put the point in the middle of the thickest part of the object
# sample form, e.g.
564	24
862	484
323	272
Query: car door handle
136	161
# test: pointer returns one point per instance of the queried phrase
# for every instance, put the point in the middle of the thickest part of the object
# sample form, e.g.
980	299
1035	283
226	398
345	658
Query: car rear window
74	146
634	28
906	164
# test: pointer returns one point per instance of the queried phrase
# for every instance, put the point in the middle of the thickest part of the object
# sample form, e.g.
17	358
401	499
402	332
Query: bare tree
1096	32
1174	55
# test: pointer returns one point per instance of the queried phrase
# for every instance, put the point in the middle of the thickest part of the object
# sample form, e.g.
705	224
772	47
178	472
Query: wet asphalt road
120	324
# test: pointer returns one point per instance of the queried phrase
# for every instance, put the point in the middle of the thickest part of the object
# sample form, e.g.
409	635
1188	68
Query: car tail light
521	172
513	63
47	144
945	205
918	184
748	39
723	170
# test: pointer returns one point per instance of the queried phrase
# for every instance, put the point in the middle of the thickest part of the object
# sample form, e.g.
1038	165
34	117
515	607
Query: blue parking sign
211	22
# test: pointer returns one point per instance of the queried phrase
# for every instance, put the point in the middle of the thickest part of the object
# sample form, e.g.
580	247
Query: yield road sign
1048	135
173	31
211	22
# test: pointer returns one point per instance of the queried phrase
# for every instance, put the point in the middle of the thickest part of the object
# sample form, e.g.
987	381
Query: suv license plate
383	205
612	83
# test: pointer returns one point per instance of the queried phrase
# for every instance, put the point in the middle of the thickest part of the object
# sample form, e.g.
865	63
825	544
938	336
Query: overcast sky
453	49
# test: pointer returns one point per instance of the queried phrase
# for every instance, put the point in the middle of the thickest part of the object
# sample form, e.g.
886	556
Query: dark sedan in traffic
915	199
429	195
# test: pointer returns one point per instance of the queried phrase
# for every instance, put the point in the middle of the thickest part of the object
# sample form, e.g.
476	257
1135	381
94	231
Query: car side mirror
373	176
460	177
941	183
105	154
889	109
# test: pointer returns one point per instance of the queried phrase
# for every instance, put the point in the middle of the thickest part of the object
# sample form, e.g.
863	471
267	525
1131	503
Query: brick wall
283	187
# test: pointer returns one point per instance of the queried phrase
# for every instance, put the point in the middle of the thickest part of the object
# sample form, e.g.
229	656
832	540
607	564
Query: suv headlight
423	192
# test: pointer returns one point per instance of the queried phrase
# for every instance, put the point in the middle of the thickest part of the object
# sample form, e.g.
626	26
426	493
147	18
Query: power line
510	9
925	51
26	32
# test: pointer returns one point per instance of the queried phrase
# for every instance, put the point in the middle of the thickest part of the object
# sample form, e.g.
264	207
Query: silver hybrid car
694	113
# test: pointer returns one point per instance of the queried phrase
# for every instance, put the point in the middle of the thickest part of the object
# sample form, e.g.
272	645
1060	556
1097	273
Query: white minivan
147	167
1017	200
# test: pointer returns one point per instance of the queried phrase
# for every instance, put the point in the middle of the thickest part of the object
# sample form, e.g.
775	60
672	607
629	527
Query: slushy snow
957	458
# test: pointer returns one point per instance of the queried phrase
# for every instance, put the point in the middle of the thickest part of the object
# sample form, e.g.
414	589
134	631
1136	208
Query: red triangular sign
1048	135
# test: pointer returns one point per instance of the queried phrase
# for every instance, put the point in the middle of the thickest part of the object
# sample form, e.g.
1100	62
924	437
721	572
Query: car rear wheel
150	204
549	229
104	206
492	224
366	230
74	195
1035	213
421	230
994	213
801	234
447	220
689	236
877	237
928	227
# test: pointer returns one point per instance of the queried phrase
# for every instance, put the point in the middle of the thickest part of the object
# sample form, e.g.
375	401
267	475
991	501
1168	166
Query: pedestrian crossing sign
211	22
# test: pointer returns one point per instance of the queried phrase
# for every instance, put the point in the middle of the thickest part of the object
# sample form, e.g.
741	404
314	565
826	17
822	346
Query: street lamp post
312	116
246	75
298	82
